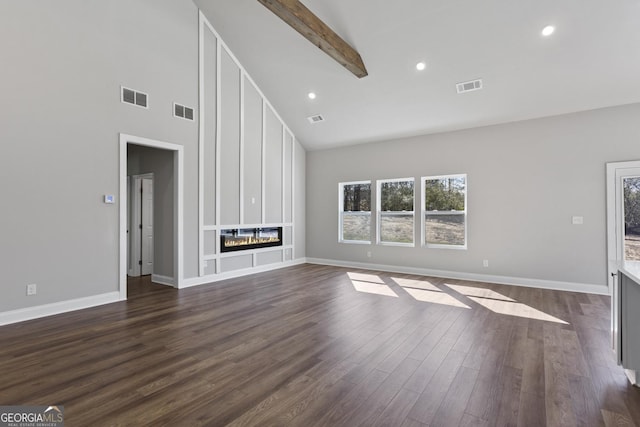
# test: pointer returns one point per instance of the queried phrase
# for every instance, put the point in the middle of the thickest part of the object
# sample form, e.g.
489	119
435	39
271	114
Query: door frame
178	206
135	234
613	227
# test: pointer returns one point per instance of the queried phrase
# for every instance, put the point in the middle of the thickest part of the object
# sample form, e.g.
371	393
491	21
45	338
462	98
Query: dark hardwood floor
325	346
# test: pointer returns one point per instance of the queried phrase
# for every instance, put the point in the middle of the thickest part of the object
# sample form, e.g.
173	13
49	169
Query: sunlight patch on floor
435	297
516	309
502	304
373	288
372	278
416	284
425	291
471	291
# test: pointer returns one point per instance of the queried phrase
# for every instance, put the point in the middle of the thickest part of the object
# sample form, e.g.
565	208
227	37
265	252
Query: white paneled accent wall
247	163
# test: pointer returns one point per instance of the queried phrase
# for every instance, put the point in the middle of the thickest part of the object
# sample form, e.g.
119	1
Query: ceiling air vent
469	86
182	111
315	119
133	97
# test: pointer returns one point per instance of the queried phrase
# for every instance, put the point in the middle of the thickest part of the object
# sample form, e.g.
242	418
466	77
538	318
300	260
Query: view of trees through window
356	211
445	210
631	190
396	211
357	197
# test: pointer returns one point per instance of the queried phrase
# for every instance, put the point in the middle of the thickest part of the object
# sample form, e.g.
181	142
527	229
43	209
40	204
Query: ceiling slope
591	61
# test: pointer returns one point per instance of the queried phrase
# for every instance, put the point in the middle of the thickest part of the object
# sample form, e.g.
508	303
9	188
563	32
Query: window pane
396	196
356	227
631	188
357	197
445	229
445	194
396	228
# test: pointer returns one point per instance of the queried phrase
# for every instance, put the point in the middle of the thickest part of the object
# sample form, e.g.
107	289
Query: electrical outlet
32	289
206	263
368	254
485	263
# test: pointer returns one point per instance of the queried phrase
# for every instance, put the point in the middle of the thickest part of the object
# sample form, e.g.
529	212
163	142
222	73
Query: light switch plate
577	220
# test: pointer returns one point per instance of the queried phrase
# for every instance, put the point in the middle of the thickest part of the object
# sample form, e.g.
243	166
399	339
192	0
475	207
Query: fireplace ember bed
242	239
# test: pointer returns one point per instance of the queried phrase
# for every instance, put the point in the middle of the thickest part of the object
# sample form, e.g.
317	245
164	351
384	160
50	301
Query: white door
147	227
141	226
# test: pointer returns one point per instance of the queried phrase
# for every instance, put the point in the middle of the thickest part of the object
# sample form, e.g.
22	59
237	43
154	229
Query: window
395	211
355	212
445	211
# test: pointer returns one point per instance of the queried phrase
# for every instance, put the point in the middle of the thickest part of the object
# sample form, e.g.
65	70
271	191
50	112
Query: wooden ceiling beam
317	32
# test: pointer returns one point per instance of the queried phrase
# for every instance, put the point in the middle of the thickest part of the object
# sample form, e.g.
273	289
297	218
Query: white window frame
379	212
424	212
341	213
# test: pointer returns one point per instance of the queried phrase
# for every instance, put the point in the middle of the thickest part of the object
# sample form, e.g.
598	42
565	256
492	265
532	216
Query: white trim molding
473	277
163	280
36	312
197	281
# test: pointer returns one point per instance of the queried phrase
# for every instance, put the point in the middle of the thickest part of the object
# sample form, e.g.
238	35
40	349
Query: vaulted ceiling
592	60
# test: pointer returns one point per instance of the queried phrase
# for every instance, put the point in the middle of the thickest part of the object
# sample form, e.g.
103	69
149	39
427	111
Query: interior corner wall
63	64
525	182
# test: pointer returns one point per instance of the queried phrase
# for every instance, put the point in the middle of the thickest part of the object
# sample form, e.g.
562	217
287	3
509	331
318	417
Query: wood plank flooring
325	346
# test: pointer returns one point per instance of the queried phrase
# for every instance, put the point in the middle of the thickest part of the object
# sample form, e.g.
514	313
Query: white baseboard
503	280
196	281
163	280
30	313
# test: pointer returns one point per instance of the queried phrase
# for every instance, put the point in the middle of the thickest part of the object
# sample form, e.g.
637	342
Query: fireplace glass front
240	239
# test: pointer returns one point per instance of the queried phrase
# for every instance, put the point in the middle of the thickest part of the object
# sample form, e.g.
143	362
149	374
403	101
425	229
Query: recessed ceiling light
548	30
421	66
311	95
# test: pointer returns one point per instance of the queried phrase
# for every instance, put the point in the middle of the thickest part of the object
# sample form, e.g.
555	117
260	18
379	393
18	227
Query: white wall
63	63
62	67
525	181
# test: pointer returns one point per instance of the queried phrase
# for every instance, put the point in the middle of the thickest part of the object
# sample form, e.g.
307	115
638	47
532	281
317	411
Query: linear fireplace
240	239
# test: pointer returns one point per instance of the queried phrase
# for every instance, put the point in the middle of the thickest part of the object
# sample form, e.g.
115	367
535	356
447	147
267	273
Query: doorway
623	231
165	245
623	216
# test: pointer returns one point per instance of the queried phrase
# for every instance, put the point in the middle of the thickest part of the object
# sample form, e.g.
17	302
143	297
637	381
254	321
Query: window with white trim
444	207
395	211
355	212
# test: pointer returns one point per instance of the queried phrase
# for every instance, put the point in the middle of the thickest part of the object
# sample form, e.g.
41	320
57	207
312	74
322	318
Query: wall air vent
469	86
315	119
134	97
182	111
